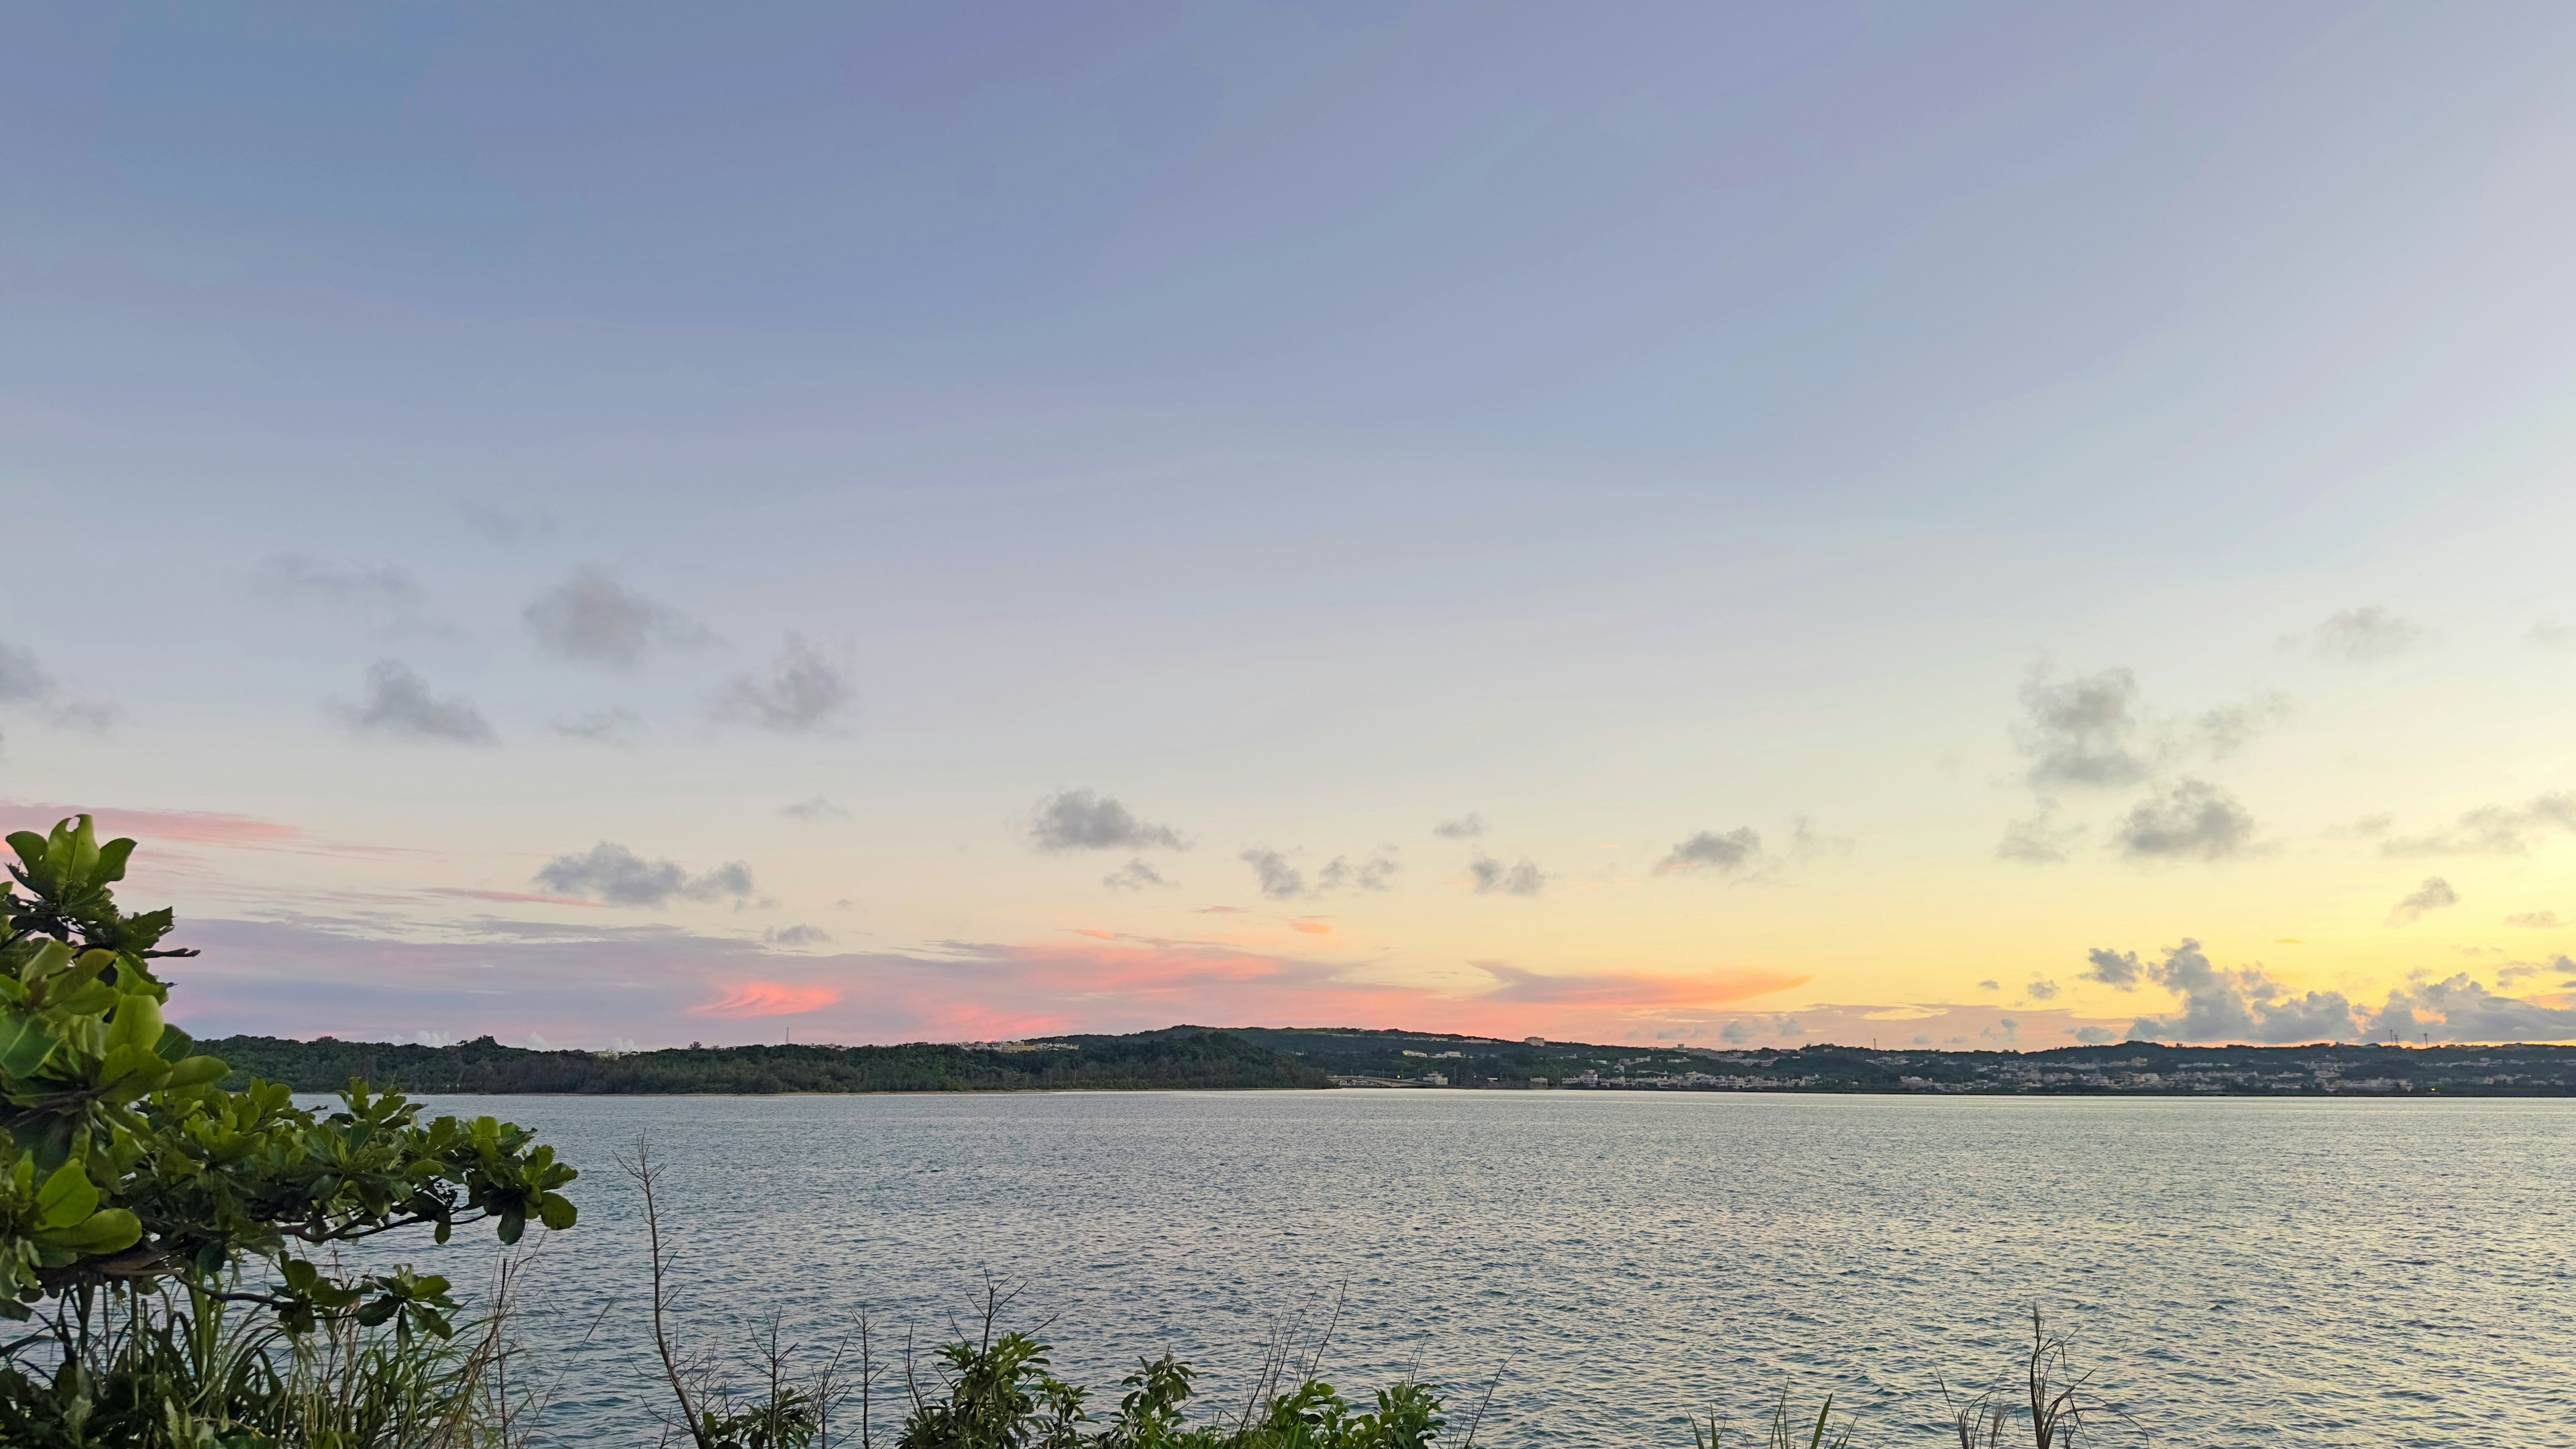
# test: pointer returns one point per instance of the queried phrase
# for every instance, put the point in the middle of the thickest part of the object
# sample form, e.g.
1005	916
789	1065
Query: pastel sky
1960	524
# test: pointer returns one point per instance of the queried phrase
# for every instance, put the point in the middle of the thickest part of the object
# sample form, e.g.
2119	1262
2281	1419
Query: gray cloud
2113	968
2460	1009
1806	844
385	590
2095	1035
493	523
2432	895
2041	989
611	873
2038	840
2224	731
2368	827
2081	732
1725	854
2533	920
2365	635
1376	873
2551	634
797	936
1279	880
814	808
1087	820
2187	820
1520	878
2244	1005
1464	827
399	703
1135	875
592	618
25	682
2493	829
806	691
1990	986
600	726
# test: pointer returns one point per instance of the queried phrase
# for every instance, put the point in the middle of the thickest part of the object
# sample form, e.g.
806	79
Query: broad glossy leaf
107	1231
24	1042
66	1198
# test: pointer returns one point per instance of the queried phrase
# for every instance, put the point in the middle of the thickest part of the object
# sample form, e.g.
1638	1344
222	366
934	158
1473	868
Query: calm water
2281	1273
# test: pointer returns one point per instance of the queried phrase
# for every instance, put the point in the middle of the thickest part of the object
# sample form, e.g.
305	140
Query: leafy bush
138	1197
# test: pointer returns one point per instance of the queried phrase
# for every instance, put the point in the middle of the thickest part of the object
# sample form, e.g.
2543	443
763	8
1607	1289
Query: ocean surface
2230	1272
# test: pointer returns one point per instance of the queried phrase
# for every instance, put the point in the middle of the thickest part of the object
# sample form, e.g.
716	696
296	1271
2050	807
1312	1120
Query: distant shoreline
1193	1058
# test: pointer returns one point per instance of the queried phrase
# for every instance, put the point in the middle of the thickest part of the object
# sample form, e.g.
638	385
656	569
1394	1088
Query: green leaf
111	861
173	1044
195	1072
66	1198
24	1043
137	1023
557	1213
107	1231
30	847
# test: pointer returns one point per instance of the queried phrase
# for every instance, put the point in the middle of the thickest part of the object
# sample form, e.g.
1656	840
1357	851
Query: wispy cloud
2186	820
380	591
1462	827
1279	880
813	807
24	682
1489	876
600	726
591	618
766	998
807	691
2493	829
2434	894
1136	875
2366	635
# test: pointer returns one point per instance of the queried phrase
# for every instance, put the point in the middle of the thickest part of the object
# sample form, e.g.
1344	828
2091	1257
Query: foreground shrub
138	1200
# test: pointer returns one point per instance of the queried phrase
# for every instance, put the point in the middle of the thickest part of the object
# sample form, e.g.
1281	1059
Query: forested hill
1183	1057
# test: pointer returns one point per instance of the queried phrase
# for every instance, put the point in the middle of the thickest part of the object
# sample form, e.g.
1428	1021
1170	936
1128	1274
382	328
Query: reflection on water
2308	1273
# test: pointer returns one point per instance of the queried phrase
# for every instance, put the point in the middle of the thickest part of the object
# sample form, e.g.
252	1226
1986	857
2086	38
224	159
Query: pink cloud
510	897
766	998
194	827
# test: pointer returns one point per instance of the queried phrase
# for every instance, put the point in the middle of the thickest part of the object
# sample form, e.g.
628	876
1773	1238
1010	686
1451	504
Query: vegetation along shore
1195	1057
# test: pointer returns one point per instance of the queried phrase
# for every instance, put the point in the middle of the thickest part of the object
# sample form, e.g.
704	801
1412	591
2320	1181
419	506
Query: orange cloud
766	998
1313	925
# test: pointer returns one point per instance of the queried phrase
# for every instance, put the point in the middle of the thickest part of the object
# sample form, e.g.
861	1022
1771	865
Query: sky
1965	525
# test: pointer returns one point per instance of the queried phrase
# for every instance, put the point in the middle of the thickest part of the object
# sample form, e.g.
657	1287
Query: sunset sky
1952	525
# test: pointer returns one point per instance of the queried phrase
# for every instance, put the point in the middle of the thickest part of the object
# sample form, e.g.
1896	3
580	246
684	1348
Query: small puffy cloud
2493	829
1491	877
2533	920
2095	1035
2367	827
2082	732
806	691
2552	634
25	682
1280	881
797	936
1135	875
614	875
1087	820
2432	895
2038	840
2186	820
1708	850
1376	873
592	618
2113	968
599	726
2365	635
2042	989
1806	844
399	704
1990	986
1464	827
814	807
